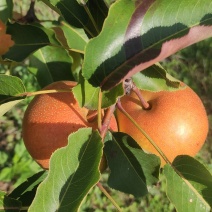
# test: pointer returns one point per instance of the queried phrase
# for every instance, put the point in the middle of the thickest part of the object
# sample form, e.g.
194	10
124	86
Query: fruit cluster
176	121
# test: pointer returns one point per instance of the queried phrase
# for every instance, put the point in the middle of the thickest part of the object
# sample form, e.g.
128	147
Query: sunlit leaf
73	172
5	107
189	187
10	86
88	96
137	34
155	78
76	38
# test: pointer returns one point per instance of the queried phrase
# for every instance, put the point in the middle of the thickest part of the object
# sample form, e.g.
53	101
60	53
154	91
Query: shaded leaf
137	34
190	187
131	168
6	9
99	11
88	96
73	13
27	38
88	16
8	204
155	78
73	172
25	192
51	64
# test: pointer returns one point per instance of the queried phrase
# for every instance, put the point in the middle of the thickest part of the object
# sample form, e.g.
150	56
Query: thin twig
106	120
108	196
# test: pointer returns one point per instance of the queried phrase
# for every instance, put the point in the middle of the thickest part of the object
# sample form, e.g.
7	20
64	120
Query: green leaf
131	168
10	88
155	78
137	34
25	192
75	37
76	65
51	64
189	187
5	107
72	12
6	9
73	172
82	2
8	204
27	38
88	96
197	174
88	16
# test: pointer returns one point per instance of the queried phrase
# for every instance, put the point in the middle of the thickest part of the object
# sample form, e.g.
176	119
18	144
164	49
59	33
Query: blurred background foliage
192	65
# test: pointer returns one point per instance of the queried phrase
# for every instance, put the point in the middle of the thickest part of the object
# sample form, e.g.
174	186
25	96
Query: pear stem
144	103
119	106
108	196
106	120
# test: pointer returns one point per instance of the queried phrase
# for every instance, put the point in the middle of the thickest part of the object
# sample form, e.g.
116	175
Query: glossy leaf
131	168
73	172
190	187
88	96
6	8
137	34
155	78
51	64
27	38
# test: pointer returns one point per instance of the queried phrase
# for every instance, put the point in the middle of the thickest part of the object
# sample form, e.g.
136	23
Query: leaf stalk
119	106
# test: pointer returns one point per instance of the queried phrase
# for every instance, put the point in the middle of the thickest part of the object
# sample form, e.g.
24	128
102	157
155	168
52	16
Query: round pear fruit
176	121
50	118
